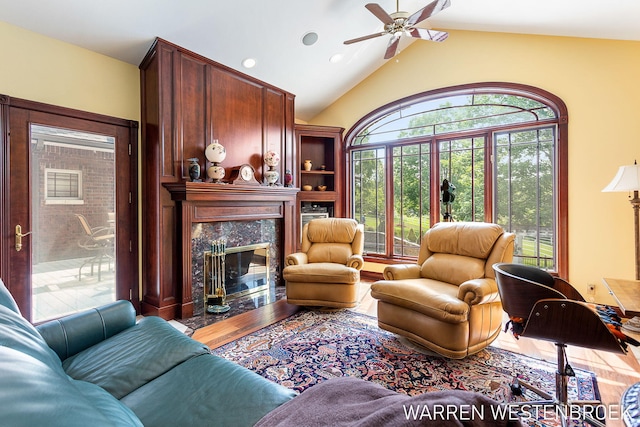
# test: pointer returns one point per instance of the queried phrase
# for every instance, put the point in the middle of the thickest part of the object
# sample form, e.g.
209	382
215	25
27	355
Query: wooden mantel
205	202
198	202
208	191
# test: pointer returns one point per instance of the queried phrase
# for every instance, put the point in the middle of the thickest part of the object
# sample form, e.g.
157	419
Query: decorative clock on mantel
244	174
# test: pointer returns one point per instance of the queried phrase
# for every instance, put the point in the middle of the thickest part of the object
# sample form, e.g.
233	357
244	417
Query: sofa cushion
6	299
321	272
34	393
106	404
145	351
16	332
329	252
454	269
219	390
73	333
473	239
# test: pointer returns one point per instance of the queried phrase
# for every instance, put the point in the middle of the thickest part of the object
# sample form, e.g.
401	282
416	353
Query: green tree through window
499	145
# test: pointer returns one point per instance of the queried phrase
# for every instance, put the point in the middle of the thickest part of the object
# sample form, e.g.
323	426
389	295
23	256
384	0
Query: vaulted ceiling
272	32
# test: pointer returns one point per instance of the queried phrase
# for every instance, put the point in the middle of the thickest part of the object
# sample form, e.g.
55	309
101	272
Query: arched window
502	149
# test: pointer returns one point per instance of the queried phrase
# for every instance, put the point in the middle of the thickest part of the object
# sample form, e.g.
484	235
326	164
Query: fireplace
242	216
250	267
238	271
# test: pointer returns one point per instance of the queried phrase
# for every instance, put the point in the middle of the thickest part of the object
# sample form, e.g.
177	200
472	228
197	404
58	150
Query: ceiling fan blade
392	48
423	33
427	11
380	13
359	39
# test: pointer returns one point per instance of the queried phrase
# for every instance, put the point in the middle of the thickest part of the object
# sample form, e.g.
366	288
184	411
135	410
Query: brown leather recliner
448	301
326	272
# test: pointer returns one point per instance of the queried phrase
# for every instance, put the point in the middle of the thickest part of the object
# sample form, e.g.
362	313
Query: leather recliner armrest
401	271
355	261
297	258
71	334
478	291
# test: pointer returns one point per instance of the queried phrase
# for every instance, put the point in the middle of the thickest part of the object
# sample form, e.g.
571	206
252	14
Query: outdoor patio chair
98	240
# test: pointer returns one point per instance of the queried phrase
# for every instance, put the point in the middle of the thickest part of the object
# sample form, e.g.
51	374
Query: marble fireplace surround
241	214
237	234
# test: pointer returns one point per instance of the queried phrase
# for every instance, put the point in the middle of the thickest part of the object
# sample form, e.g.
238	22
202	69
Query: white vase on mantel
215	153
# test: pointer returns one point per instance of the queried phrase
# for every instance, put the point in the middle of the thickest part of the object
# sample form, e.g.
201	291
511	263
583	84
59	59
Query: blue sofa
102	368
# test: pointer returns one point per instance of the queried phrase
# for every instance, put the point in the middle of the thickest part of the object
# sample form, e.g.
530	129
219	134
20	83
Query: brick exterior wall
57	230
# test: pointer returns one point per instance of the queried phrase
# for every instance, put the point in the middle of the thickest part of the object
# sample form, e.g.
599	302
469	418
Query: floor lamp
627	180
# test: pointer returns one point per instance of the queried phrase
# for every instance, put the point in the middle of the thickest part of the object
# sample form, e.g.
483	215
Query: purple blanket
348	401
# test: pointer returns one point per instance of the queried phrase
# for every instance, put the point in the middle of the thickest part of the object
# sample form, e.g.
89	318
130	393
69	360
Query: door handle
19	236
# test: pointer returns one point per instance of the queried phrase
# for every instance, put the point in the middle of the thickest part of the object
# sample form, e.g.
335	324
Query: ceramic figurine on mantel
272	159
194	169
215	153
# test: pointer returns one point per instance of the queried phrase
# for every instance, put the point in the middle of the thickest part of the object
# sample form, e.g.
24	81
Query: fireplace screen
240	270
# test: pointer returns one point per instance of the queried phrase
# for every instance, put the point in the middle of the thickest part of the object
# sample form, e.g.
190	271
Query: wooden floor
614	372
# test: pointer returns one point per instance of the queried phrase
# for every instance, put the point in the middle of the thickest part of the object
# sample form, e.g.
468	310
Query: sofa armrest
71	334
401	272
355	261
297	258
478	291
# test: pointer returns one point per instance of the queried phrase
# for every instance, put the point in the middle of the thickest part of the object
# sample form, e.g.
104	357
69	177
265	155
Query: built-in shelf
322	145
318	172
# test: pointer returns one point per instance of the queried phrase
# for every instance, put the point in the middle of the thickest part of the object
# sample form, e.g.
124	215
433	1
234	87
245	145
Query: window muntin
462	164
412	194
453	114
369	197
524	171
460	131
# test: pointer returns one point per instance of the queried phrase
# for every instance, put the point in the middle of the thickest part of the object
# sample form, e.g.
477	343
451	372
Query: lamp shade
627	179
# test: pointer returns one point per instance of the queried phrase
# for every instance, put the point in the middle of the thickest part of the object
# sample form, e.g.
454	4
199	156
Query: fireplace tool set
215	293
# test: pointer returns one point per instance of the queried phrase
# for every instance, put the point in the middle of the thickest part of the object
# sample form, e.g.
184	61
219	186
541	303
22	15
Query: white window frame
77	200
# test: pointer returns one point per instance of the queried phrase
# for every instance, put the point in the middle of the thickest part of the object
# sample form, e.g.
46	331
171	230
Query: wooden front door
69	216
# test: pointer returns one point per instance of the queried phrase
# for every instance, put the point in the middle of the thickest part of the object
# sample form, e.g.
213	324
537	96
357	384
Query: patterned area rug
312	346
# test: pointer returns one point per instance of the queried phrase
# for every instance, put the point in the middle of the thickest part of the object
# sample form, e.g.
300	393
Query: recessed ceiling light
335	58
309	38
249	63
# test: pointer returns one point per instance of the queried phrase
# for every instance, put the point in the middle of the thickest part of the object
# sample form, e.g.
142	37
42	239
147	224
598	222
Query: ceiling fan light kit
401	23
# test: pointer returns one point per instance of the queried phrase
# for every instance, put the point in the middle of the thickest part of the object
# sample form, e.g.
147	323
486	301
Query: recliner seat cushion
321	272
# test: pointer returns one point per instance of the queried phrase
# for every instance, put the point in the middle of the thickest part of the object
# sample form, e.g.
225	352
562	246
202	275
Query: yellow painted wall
599	80
43	69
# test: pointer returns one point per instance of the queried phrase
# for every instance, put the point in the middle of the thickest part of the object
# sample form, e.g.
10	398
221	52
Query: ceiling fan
398	23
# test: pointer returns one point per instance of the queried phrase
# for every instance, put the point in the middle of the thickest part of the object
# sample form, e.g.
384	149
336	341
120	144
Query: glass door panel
73	221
